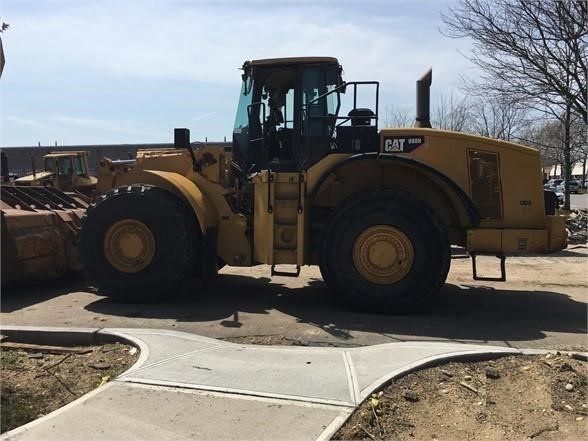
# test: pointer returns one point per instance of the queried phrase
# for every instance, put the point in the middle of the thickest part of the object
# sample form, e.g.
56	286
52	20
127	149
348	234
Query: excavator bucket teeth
39	227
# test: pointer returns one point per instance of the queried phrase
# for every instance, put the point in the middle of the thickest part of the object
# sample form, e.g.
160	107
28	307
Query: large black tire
157	227
384	252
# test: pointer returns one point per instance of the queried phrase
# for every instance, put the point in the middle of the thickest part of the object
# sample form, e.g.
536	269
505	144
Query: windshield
50	164
80	166
242	117
64	166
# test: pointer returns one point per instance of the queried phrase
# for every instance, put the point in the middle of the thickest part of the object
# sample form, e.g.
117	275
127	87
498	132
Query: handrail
344	86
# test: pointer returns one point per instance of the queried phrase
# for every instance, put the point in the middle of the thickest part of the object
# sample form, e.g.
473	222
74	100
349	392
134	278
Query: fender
182	186
469	207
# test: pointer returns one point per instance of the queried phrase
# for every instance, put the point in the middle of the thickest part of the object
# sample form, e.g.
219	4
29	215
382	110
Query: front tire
384	252
137	243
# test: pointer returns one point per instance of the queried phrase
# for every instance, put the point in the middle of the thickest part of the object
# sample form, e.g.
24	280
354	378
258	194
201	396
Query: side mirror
182	138
182	141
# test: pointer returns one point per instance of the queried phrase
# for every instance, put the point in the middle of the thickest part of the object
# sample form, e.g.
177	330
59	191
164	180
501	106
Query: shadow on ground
458	313
18	297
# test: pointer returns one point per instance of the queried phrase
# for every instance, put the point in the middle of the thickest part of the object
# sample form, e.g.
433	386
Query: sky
83	72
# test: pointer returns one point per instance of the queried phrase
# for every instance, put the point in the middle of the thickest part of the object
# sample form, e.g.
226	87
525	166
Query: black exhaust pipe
423	105
4	166
182	141
33	164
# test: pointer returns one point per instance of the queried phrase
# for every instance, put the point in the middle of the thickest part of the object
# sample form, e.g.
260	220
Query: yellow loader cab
66	171
308	182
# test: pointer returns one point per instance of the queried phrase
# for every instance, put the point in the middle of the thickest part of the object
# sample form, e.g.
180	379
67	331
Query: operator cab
65	166
288	115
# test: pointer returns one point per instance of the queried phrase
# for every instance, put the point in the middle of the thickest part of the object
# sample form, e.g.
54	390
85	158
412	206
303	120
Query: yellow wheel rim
383	254
129	246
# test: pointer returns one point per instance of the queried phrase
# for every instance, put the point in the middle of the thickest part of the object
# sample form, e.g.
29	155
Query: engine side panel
503	179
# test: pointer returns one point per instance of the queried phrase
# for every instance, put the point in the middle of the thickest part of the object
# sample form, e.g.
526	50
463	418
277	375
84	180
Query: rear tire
384	252
137	243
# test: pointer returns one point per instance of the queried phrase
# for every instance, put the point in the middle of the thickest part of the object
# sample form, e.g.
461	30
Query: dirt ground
509	399
37	381
542	398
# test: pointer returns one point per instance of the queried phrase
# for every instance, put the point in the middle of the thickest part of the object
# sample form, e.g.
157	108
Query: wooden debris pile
577	226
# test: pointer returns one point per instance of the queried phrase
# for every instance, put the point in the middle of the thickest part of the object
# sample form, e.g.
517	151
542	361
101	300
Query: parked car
558	190
574	186
553	182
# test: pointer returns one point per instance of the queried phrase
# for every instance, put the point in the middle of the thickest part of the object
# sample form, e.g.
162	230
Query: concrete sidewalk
189	387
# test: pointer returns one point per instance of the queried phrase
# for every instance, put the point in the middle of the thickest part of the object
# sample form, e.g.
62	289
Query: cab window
79	168
485	183
65	167
50	165
316	82
242	117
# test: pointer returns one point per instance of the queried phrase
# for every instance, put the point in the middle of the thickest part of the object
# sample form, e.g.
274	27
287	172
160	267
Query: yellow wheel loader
66	171
310	182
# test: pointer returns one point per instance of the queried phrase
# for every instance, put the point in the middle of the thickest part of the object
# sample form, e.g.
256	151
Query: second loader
66	171
306	183
39	227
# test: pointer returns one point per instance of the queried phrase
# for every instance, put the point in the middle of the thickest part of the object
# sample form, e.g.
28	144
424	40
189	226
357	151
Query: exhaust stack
423	98
4	166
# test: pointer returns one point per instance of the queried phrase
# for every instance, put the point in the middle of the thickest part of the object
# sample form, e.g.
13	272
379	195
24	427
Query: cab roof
293	60
66	153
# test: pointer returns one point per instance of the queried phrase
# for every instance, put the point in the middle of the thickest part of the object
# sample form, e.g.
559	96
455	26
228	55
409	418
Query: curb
75	337
56	336
48	335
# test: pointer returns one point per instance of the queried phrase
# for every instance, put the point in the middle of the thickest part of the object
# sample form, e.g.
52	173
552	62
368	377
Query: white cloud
71	130
61	48
202	41
126	127
24	121
203	116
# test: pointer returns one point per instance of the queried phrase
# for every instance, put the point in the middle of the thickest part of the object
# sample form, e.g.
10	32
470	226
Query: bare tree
498	117
398	117
531	51
579	143
451	113
548	135
3	26
528	49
